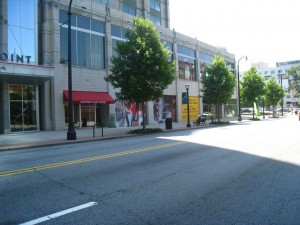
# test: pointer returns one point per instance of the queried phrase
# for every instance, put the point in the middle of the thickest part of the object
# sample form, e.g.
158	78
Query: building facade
280	73
34	64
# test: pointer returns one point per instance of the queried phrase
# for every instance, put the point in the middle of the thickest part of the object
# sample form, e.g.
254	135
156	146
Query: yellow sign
194	109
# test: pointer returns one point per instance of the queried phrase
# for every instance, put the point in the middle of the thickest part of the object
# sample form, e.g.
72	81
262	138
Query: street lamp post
187	86
239	101
71	135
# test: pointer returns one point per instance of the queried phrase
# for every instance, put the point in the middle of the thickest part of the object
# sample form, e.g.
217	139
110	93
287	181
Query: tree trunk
218	112
143	115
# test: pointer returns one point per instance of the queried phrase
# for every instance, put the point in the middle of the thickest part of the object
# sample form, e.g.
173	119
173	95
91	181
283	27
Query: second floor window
87	41
129	10
155	4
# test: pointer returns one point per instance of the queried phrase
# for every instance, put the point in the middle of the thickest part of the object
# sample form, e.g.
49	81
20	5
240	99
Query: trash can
168	122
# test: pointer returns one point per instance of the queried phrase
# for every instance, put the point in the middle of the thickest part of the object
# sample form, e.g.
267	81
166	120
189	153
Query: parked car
207	115
284	110
246	110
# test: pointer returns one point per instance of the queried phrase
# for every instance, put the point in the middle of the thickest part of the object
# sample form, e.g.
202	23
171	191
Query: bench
200	121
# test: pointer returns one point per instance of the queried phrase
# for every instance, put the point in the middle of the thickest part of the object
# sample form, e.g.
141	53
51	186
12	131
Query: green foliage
252	87
294	80
218	85
141	70
273	92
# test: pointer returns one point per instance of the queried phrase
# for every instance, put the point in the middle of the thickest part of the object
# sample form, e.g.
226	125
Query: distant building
34	58
280	74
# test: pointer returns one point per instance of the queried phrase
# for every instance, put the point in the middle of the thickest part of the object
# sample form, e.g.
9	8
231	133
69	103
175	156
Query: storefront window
88	114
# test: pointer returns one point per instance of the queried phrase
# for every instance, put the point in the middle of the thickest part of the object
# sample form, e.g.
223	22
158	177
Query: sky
263	30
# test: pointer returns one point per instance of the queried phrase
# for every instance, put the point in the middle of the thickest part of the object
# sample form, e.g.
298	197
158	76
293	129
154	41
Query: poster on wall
129	114
193	105
164	107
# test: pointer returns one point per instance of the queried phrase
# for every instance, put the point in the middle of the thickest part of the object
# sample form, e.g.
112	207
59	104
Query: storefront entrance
87	115
23	107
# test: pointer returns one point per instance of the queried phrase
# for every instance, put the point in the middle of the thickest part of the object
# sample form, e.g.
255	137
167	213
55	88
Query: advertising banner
194	107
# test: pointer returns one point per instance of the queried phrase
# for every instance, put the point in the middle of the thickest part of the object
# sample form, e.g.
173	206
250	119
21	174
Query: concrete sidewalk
50	138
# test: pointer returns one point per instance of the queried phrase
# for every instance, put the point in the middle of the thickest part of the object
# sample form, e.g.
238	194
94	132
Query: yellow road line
67	163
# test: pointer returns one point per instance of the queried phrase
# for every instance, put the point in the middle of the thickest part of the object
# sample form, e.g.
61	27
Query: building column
4	109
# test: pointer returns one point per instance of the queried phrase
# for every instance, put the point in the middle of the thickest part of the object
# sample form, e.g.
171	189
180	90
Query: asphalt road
246	173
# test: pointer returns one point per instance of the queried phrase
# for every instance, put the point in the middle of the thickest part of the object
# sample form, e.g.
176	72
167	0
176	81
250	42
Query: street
244	173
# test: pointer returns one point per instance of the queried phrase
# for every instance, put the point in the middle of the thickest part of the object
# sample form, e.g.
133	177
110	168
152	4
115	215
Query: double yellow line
54	165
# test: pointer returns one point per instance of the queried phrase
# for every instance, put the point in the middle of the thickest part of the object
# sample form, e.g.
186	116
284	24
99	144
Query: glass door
23	108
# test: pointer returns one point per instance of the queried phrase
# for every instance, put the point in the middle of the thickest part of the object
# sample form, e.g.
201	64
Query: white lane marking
58	214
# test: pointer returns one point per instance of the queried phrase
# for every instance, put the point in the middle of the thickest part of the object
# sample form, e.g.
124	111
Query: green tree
141	70
273	93
294	80
218	85
252	88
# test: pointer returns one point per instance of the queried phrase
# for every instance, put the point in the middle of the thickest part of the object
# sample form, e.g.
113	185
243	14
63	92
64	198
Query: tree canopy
141	70
219	84
273	93
252	87
294	80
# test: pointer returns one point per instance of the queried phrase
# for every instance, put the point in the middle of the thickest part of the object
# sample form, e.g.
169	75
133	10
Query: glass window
22	28
28	47
100	1
116	31
14	39
185	51
27	14
83	46
186	63
73	46
156	20
97	26
83	22
97	51
129	10
23	108
230	65
186	68
87	42
63	18
205	57
15	92
14	12
155	4
168	45
29	93
114	47
63	45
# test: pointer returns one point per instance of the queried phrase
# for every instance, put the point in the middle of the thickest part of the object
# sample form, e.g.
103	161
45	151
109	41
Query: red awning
89	97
